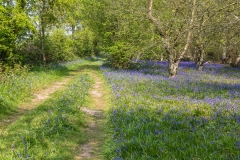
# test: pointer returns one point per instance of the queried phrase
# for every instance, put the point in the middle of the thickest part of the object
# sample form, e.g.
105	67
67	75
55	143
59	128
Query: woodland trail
96	120
94	113
39	97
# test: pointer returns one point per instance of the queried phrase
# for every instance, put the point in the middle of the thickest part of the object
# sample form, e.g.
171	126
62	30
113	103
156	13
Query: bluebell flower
238	119
238	145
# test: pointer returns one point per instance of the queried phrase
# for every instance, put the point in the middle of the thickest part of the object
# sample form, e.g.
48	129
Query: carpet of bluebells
193	116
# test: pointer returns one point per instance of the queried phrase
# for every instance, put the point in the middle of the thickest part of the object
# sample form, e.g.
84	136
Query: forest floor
94	113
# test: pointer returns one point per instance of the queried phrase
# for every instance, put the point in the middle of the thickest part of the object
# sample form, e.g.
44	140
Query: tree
60	46
177	24
202	31
121	30
15	26
43	14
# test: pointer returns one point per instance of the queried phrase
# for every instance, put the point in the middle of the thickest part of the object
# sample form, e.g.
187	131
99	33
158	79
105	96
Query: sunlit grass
16	88
194	116
51	131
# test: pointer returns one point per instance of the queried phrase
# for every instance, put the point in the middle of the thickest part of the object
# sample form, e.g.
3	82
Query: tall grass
193	116
51	131
18	84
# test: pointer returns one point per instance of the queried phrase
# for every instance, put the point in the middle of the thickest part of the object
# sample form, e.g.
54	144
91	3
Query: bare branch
218	11
156	22
236	17
189	31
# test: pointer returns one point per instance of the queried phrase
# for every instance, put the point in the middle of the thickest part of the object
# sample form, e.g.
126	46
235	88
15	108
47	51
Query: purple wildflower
238	145
238	118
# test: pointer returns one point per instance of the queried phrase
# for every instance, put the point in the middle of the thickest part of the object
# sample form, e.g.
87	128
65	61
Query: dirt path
95	115
39	97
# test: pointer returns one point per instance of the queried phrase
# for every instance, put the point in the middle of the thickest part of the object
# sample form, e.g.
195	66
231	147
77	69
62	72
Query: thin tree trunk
42	12
73	31
224	54
172	66
161	58
43	44
201	59
161	54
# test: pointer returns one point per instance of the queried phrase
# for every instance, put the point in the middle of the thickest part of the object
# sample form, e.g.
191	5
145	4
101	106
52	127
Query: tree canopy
124	31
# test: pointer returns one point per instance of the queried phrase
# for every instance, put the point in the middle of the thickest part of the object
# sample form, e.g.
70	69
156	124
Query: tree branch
189	35
157	23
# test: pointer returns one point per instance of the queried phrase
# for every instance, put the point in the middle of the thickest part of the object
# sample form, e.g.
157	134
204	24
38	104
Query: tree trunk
161	55
200	62
224	54
43	44
172	69
42	23
73	31
236	62
172	66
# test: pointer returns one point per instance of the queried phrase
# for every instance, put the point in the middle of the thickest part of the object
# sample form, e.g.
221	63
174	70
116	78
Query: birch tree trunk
172	66
224	54
200	62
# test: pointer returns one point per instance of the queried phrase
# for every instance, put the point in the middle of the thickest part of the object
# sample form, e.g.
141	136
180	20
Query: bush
83	43
120	55
60	47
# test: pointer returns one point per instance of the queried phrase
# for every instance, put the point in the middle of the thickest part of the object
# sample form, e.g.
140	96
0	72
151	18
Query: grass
57	127
18	86
51	131
193	116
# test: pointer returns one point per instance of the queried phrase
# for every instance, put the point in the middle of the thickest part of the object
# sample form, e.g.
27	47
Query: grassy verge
18	85
194	116
51	131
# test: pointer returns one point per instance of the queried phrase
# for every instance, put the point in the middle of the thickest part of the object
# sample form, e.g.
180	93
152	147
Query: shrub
120	55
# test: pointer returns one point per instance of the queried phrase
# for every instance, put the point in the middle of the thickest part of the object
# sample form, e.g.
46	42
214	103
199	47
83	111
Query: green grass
18	86
194	116
51	131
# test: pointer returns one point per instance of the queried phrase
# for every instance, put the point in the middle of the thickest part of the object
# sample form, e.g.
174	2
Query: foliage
60	47
30	51
84	42
126	23
13	28
101	27
193	116
122	31
120	55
